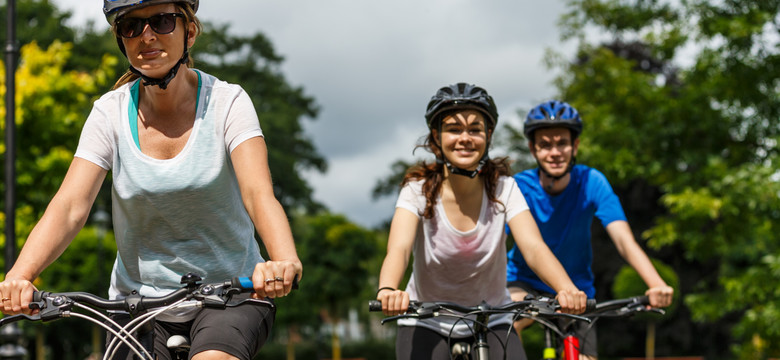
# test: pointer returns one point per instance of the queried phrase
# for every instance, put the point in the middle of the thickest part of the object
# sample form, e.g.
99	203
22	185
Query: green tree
691	147
628	283
340	258
49	102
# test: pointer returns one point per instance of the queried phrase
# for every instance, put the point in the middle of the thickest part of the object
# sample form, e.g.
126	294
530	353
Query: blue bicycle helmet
552	113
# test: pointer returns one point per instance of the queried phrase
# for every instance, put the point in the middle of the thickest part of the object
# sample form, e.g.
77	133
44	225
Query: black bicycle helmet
552	113
461	96
114	9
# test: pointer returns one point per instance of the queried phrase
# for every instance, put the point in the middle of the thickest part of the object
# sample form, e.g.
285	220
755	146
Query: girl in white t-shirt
451	215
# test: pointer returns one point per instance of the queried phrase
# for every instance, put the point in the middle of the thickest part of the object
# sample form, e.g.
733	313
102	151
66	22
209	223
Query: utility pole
11	335
11	51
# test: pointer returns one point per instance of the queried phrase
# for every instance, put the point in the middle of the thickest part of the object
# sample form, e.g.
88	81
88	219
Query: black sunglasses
163	23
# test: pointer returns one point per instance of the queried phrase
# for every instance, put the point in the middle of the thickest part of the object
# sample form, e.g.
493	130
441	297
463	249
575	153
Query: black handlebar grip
644	299
39	295
374	305
590	305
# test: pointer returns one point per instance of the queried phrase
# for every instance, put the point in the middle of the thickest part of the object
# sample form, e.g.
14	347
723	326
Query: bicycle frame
571	346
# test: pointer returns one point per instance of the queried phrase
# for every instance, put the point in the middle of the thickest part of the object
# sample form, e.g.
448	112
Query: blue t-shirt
564	221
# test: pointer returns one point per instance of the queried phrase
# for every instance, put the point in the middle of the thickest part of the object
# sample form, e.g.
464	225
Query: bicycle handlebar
215	295
623	307
529	307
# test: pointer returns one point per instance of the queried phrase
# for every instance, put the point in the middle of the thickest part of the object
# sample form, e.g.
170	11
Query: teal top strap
132	110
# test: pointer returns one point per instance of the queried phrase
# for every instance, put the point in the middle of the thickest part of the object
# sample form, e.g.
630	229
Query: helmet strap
556	178
463	172
165	80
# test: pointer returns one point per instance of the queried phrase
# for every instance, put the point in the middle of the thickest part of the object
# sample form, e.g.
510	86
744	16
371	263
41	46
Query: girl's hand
15	295
274	279
572	301
394	302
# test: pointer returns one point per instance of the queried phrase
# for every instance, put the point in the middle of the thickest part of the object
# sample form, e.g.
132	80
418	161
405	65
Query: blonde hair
189	17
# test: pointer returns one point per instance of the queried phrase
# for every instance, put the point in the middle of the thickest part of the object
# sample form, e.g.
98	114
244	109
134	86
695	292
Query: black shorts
585	332
239	331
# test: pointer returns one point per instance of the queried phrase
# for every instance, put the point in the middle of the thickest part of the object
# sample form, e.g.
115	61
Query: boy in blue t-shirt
563	199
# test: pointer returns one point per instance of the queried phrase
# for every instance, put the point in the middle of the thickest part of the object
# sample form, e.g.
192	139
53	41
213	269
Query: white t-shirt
461	267
177	215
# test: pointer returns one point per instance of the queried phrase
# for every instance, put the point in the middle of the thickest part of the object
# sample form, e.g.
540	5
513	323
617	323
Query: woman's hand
15	295
572	301
394	302
274	279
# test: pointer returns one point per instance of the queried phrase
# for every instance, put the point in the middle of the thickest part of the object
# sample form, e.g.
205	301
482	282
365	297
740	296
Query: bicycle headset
461	96
553	113
115	9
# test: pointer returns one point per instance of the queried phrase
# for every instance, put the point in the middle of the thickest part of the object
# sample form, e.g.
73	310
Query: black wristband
384	288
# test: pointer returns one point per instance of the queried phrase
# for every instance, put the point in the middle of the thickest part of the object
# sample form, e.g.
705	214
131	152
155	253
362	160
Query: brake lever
572	316
546	306
14	318
423	312
51	307
251	301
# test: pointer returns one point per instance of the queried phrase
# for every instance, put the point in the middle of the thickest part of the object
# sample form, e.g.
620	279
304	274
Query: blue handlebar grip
243	283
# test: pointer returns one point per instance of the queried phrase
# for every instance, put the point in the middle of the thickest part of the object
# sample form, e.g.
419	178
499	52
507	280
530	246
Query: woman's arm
403	231
64	217
250	161
544	263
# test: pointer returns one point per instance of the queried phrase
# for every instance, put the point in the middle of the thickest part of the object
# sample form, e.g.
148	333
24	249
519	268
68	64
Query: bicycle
142	309
479	316
568	344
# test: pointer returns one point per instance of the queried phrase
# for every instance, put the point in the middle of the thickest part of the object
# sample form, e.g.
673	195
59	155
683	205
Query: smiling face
553	149
152	53
464	138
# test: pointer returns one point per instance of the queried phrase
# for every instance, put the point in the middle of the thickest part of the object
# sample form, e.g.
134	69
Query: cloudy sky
372	67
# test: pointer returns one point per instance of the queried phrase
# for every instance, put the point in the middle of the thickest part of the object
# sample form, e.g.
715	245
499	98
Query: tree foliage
49	108
681	110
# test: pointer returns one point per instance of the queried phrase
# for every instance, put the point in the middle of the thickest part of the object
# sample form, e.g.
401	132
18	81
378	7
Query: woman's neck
181	90
463	185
